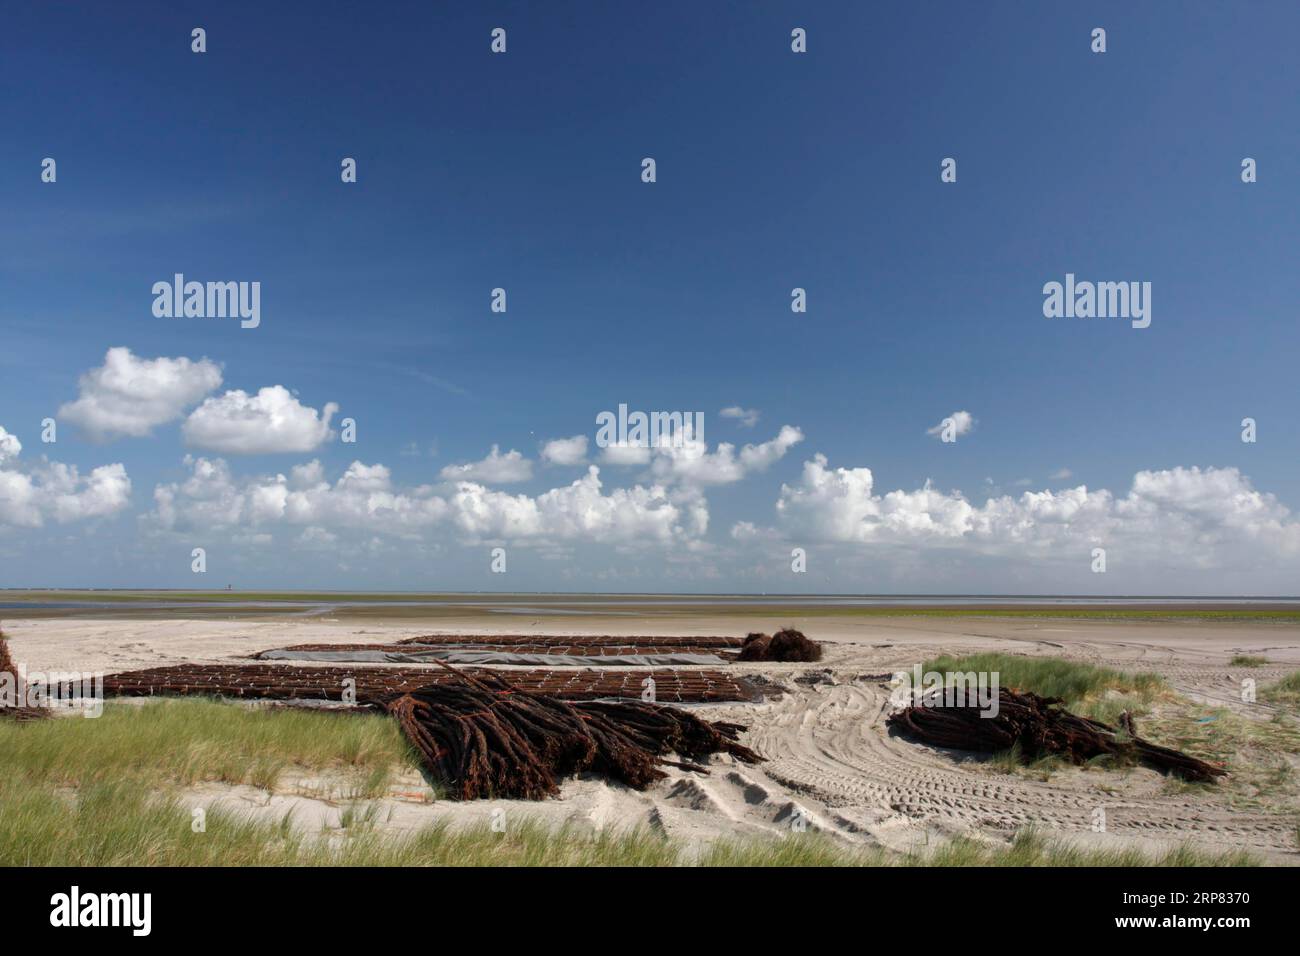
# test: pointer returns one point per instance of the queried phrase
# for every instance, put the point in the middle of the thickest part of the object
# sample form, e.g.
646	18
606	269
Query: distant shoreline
381	594
357	605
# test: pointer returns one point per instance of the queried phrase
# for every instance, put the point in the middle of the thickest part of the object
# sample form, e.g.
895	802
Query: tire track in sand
831	743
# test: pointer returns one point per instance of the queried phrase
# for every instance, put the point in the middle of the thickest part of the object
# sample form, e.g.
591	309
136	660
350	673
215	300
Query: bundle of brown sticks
785	645
1040	726
487	738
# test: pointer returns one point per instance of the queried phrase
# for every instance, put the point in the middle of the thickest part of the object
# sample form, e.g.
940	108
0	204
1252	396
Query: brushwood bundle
785	645
485	737
1039	726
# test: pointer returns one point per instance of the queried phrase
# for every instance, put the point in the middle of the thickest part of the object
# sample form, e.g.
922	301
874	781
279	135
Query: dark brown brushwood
12	690
486	737
547	647
755	646
787	645
286	681
1040	726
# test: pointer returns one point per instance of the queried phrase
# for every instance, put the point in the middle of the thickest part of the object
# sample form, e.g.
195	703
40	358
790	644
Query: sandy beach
831	765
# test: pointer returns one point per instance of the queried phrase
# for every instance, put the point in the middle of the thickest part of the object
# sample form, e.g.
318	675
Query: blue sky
775	170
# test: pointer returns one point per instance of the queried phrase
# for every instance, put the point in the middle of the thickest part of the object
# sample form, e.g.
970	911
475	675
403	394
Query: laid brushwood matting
540	647
288	682
578	640
537	655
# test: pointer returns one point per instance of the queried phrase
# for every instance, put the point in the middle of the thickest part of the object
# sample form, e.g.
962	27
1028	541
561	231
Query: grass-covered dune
185	741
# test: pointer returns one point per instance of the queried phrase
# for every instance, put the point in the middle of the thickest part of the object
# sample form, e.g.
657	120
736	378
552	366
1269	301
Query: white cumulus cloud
55	491
580	510
691	462
362	498
10	446
131	396
365	500
625	455
565	451
745	416
1182	516
270	422
495	469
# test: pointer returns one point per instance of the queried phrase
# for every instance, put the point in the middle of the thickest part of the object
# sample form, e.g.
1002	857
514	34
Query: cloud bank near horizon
651	502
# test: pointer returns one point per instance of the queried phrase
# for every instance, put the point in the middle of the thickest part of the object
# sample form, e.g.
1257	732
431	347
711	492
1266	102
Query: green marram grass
195	740
1257	750
1285	693
1247	660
